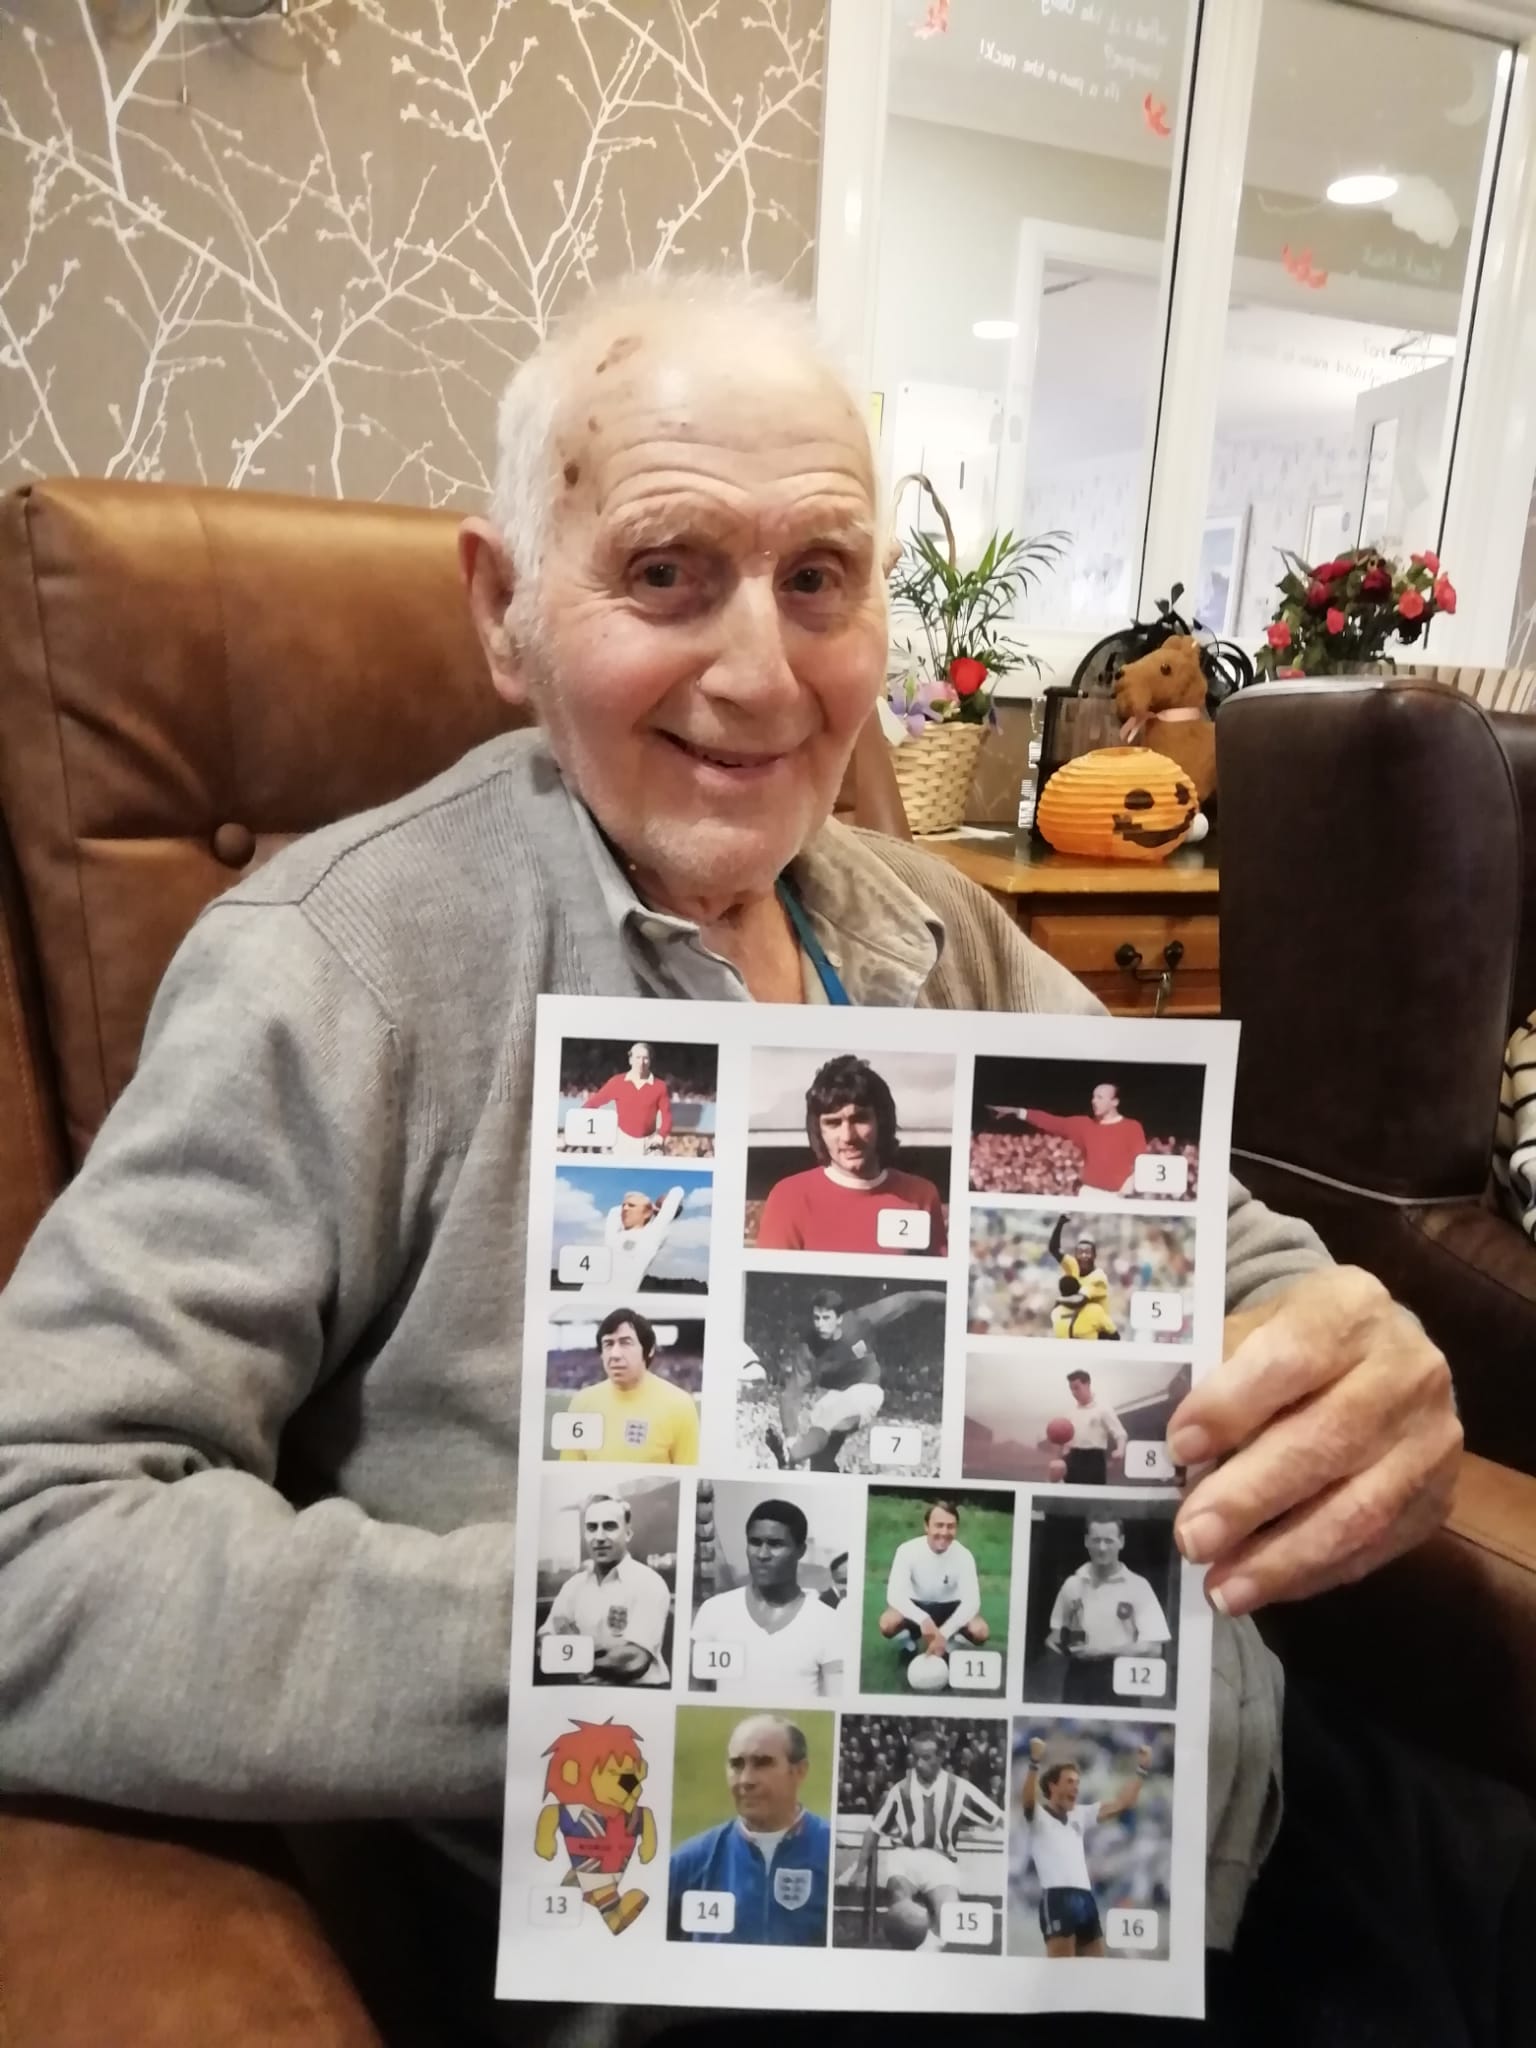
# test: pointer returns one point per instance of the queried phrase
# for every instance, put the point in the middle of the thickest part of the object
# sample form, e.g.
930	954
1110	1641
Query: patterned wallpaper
303	253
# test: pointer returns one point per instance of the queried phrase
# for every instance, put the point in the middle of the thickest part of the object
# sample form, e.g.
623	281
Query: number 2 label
903	1230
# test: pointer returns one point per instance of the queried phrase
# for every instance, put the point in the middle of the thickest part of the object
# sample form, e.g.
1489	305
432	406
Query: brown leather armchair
187	680
1378	938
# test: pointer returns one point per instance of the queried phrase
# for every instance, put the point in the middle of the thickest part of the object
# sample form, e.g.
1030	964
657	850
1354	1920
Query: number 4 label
581	1263
1132	1927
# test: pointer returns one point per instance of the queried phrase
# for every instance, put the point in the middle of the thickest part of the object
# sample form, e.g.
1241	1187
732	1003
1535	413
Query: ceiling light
995	330
1366	188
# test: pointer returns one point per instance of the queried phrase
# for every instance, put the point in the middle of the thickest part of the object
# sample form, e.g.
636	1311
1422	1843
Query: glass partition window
1358	224
1024	205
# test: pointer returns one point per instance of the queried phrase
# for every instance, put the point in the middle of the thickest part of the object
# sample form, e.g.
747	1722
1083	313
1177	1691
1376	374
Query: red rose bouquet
1337	618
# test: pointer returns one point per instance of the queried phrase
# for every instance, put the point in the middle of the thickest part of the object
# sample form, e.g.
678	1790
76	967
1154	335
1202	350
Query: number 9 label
565	1656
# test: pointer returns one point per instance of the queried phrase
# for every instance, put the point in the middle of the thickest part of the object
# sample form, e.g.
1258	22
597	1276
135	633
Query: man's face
1082	1392
925	1760
635	1211
1064	1791
764	1785
773	1556
1087	1252
640	1060
1106	1100
623	1357
1104	1543
827	1323
708	634
942	1529
606	1528
851	1136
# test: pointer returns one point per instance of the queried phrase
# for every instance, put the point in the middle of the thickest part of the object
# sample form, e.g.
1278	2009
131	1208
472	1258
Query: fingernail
1233	1597
1201	1537
1190	1446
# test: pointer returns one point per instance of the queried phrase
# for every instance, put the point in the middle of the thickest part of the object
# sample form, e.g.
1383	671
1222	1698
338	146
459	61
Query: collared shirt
1115	1615
780	1898
629	1604
881	937
1095	1426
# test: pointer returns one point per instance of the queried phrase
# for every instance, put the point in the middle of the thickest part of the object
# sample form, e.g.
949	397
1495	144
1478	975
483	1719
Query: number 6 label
568	1432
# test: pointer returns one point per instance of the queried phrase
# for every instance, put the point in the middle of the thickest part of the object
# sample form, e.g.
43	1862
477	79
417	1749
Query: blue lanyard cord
826	973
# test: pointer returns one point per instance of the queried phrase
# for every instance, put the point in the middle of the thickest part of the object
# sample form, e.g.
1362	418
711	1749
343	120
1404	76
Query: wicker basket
933	773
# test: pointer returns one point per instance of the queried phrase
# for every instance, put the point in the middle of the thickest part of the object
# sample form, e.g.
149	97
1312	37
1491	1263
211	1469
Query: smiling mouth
731	760
1140	835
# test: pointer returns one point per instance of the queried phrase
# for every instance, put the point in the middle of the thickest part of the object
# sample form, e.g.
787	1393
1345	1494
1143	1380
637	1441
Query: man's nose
752	667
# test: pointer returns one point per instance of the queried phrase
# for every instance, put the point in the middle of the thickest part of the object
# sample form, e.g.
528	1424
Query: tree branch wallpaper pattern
303	252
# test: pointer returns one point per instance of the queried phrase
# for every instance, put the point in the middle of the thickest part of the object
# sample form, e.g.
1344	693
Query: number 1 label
591	1126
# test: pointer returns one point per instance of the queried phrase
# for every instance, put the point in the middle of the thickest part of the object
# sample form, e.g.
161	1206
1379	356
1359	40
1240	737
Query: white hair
524	495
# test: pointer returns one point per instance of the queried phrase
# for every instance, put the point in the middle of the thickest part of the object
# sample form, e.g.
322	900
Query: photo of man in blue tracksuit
772	1859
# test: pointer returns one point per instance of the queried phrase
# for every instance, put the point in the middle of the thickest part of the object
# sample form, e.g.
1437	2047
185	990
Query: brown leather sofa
188	678
1378	911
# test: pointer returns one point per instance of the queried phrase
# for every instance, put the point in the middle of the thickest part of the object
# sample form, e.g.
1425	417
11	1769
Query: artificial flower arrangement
949	674
1336	619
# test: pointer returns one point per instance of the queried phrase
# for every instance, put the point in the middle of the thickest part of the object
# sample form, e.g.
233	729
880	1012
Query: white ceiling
1340	88
1282	372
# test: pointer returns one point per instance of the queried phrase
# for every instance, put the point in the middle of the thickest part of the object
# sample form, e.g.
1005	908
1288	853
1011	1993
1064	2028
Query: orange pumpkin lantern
1118	803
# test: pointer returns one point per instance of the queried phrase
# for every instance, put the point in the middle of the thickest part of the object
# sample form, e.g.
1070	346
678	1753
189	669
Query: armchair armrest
114	1927
1462	1610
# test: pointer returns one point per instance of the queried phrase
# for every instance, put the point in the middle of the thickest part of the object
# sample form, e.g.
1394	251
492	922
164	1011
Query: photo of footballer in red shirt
871	1173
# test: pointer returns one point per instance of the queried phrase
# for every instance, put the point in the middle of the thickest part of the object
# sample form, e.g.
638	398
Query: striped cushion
1496	689
1514	1150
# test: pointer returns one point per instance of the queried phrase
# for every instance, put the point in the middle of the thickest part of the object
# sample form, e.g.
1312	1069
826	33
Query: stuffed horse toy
1162	699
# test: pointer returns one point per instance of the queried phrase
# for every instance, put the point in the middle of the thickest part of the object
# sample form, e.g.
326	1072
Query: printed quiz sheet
853	1662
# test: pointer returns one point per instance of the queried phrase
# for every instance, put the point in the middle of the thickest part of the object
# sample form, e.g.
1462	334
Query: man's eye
661	575
810	580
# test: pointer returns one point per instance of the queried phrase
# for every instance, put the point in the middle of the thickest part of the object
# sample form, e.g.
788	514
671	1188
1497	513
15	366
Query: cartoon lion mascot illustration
595	1775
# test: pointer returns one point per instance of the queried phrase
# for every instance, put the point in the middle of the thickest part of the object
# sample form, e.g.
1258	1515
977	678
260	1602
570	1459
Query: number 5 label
1157	1312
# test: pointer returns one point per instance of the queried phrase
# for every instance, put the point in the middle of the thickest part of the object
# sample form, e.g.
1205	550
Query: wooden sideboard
1144	936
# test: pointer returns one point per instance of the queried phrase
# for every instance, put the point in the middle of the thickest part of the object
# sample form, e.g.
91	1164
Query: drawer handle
1128	960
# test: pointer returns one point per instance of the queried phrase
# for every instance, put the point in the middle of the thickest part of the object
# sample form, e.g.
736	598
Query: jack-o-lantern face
1118	803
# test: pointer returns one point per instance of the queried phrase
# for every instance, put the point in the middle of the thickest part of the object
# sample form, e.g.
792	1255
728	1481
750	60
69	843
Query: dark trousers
1087	1468
1397	1910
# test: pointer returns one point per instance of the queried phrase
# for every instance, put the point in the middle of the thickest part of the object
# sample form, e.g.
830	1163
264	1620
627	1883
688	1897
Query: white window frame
1488	492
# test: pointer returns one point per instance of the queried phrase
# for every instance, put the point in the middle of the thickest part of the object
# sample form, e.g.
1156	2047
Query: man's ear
489	583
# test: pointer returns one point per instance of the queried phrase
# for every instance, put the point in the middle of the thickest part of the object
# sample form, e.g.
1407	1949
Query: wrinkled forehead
745	439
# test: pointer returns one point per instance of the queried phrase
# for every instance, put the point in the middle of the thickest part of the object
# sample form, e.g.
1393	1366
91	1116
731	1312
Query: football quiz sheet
848	1619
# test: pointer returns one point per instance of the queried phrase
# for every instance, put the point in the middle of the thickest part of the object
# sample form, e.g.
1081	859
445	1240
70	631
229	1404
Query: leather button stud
234	845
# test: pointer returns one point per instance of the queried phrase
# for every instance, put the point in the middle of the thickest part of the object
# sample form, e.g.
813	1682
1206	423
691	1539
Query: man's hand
1334	1414
935	1642
1036	1750
560	1625
1144	1758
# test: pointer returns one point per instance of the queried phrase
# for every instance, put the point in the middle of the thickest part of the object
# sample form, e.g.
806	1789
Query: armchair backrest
1373	887
189	678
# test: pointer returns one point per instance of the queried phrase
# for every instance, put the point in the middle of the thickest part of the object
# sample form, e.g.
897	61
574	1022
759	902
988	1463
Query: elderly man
296	1248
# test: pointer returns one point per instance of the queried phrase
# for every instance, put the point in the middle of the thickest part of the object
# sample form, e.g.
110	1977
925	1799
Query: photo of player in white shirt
787	1643
634	1232
933	1592
1103	1612
1058	1827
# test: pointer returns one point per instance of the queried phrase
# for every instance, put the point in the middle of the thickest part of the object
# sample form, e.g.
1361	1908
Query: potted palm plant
954	647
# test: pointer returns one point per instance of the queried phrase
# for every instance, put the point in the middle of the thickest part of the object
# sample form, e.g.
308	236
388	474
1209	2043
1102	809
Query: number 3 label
1160	1173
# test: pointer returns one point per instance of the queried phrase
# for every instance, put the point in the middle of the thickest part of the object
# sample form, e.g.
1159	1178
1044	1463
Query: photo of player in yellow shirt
645	1419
